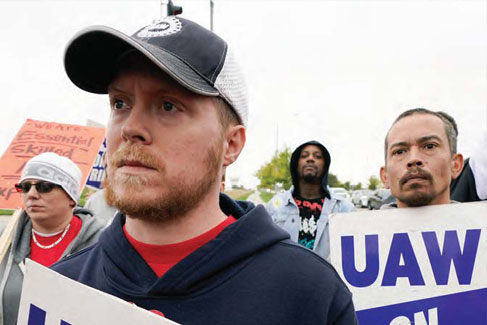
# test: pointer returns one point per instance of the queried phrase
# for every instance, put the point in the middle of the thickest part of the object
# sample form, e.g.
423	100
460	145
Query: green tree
333	181
373	183
276	171
358	186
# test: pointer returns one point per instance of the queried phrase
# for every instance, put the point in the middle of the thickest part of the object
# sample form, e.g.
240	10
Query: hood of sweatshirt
208	266
294	165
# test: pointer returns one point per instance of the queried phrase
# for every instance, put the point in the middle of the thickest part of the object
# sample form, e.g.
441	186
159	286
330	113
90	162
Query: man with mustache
303	210
178	117
421	158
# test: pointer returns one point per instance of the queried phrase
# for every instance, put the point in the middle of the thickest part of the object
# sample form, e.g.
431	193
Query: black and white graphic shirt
309	213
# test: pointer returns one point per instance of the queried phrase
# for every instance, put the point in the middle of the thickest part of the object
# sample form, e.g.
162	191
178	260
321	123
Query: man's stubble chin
175	197
312	179
419	197
416	199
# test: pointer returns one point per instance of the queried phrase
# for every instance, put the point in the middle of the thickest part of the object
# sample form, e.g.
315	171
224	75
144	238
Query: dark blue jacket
251	273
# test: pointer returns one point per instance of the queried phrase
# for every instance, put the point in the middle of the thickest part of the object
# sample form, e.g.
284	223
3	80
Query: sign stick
7	234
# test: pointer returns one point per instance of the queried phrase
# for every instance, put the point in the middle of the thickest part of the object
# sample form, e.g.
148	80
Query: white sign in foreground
424	265
52	299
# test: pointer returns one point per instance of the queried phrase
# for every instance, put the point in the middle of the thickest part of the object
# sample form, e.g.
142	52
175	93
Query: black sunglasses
41	187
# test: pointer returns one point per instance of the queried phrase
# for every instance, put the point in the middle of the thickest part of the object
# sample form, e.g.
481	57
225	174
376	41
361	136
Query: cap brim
91	56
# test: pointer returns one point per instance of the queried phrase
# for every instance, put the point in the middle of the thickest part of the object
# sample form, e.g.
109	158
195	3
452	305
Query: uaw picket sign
422	266
97	172
49	298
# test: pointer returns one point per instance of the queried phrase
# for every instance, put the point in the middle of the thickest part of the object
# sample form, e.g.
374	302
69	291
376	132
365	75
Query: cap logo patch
163	27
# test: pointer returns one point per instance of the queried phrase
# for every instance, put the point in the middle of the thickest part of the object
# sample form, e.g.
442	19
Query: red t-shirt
49	256
161	258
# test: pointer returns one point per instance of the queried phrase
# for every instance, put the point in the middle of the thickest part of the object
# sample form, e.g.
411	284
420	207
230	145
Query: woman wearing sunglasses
49	227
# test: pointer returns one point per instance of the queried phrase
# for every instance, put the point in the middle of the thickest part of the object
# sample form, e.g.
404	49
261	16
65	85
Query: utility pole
212	6
163	6
277	138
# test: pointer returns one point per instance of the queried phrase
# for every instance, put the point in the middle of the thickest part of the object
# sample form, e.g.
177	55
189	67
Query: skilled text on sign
79	143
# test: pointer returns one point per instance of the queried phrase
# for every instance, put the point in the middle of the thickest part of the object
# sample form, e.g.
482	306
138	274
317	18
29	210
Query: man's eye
398	152
118	104
430	146
168	106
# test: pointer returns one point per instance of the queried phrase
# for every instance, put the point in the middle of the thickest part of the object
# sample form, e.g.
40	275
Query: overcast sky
335	71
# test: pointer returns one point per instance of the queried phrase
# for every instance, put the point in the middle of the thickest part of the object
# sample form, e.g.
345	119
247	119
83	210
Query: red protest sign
78	143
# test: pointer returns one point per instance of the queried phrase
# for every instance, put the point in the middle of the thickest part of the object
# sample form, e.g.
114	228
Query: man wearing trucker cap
178	116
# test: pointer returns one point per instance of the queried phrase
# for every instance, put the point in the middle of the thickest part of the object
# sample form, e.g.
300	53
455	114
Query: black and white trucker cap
195	57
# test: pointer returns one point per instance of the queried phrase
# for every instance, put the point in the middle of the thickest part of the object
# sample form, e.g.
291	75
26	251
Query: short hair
134	61
449	123
226	114
450	119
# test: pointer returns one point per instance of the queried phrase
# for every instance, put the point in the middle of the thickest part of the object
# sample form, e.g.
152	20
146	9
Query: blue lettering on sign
453	309
441	261
402	249
97	173
401	246
368	276
429	317
37	316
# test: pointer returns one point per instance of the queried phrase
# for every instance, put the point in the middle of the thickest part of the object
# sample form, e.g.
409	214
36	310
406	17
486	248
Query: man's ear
456	165
383	177
234	143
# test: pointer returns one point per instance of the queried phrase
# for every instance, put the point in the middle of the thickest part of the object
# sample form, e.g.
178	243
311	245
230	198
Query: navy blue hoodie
251	273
